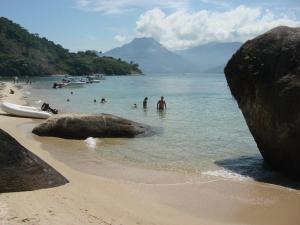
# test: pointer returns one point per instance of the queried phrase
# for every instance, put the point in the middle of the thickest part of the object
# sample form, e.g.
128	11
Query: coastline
107	199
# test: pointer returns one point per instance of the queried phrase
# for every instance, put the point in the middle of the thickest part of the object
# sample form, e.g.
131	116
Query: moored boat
72	82
95	78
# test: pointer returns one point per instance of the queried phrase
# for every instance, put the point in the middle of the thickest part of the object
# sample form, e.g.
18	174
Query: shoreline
103	199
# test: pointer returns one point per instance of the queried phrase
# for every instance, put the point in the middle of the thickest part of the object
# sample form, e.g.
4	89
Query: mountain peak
144	39
145	42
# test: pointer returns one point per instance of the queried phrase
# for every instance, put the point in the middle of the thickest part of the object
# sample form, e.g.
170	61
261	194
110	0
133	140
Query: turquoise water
202	123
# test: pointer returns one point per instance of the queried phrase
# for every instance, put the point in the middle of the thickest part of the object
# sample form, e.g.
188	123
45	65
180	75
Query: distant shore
115	194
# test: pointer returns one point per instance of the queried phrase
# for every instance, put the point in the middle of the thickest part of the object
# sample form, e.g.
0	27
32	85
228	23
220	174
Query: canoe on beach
24	111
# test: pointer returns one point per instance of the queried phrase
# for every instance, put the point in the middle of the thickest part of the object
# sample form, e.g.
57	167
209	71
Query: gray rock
82	126
264	77
21	170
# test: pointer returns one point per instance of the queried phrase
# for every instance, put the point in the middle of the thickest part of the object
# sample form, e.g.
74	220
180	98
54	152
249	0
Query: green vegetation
26	54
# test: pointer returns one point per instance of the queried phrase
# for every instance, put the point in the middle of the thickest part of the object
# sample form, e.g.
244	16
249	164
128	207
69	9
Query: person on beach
145	102
134	105
161	104
95	100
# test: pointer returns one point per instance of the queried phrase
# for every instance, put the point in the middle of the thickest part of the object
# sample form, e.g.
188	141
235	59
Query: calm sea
201	130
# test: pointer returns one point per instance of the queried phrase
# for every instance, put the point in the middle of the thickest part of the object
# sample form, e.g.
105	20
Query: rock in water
21	170
77	126
264	78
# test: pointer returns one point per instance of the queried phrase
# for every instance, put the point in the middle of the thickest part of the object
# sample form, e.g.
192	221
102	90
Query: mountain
151	56
154	57
211	57
23	53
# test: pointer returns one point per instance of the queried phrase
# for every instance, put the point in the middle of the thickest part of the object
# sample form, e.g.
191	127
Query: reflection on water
162	114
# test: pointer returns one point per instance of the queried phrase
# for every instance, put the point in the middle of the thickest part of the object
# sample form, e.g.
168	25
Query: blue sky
178	24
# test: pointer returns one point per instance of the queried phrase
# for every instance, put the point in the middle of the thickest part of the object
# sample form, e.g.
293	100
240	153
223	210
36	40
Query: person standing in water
103	100
161	104
145	103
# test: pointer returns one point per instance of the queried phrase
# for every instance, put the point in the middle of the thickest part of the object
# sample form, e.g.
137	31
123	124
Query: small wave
27	92
91	142
226	174
38	101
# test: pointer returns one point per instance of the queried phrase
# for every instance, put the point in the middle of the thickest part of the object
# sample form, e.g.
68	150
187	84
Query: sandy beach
116	194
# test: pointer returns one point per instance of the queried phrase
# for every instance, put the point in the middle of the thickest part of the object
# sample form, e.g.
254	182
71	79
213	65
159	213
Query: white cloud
182	29
120	6
120	38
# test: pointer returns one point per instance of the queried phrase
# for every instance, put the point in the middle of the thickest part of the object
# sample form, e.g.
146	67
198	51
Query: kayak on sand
24	111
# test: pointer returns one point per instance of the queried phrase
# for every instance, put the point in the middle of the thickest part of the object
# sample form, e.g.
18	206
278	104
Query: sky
178	24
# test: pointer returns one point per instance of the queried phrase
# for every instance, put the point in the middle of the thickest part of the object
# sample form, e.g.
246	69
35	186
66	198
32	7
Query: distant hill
151	56
211	57
154	57
23	53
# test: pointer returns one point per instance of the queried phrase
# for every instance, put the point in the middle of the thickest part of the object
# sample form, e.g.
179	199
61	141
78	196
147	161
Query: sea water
202	129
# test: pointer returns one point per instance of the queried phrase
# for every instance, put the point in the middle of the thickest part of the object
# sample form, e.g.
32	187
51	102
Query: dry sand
123	195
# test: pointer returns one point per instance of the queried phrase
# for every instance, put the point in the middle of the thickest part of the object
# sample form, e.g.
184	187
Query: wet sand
103	192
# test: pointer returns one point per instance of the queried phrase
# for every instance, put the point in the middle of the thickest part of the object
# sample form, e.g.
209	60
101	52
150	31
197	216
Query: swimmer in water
145	103
161	104
103	100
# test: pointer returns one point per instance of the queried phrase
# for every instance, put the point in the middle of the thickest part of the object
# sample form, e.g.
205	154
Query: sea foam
226	174
91	142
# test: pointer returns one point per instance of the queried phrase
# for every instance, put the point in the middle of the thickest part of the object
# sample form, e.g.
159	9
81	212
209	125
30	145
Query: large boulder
82	126
264	78
21	170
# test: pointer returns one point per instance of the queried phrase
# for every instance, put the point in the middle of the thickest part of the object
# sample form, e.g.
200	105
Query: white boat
91	80
24	111
95	78
74	84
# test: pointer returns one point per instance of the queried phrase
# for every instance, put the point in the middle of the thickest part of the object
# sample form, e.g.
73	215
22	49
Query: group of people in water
161	104
103	100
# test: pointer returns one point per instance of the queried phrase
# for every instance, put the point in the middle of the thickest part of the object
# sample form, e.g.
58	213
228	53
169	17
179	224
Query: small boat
68	84
91	80
24	111
74	84
95	78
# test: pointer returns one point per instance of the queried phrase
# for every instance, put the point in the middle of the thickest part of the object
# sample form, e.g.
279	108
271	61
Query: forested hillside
26	54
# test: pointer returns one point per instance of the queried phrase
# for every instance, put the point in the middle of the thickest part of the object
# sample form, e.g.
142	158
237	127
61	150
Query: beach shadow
256	168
